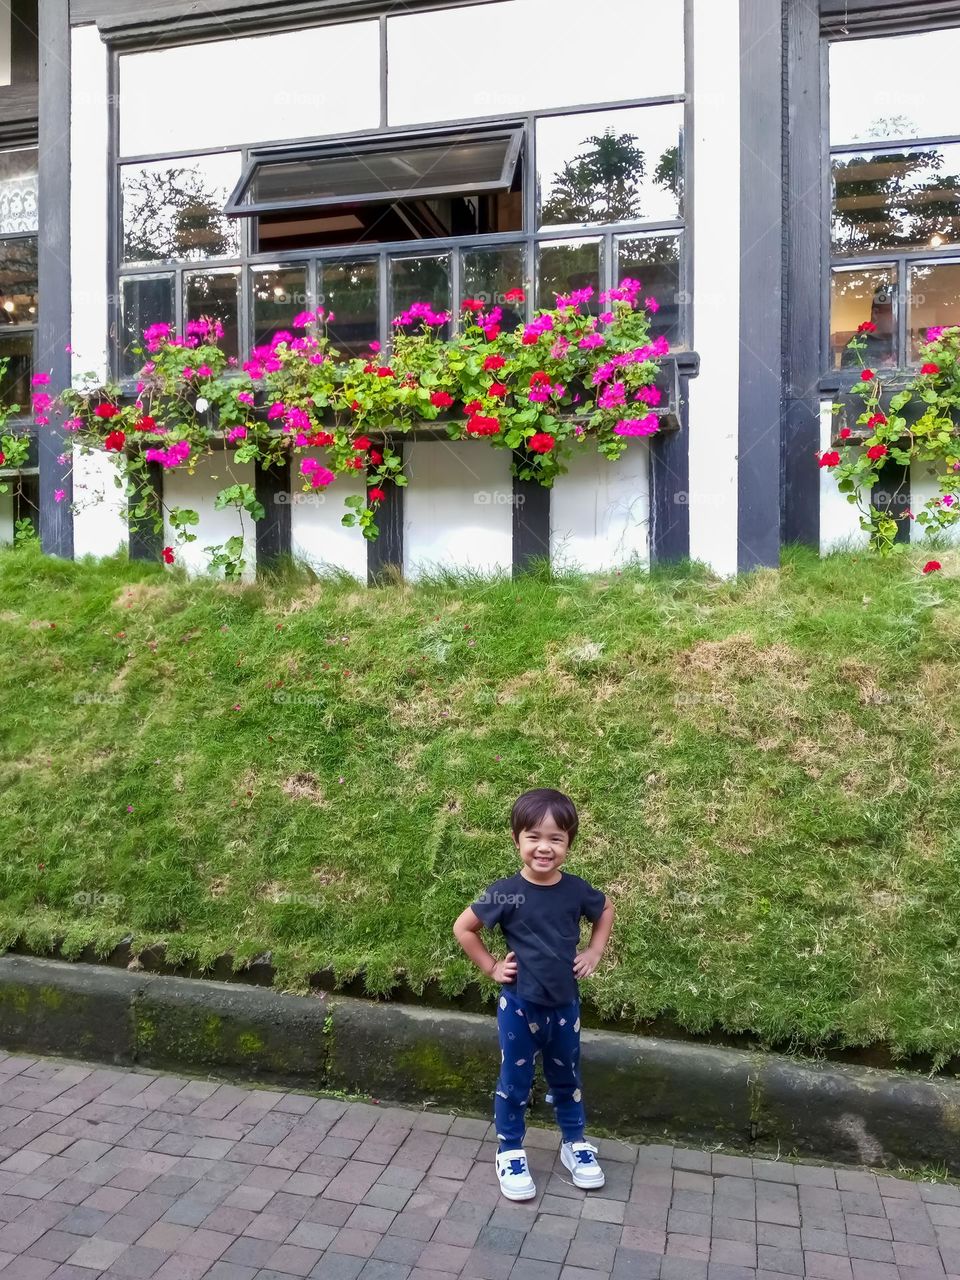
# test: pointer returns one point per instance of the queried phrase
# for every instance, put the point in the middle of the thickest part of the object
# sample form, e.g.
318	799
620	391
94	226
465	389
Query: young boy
538	1012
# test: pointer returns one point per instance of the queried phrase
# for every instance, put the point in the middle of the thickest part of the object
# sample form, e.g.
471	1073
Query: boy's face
543	848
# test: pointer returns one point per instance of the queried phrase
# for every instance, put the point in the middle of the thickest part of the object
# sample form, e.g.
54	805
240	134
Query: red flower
441	399
146	423
538	377
376	495
481	426
375	456
355	404
493	362
499	388
354	463
878	451
530	339
115	441
384	372
473	407
867	327
491	332
106	411
541	443
320	438
930	368
167	554
362	442
878	420
831	459
932	566
471	304
369	367
845	432
867	375
3	457
514	295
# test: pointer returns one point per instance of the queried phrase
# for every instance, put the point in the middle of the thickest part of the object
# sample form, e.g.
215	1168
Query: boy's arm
589	957
466	930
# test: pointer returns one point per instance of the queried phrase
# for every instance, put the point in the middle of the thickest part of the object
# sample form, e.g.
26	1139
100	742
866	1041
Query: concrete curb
635	1086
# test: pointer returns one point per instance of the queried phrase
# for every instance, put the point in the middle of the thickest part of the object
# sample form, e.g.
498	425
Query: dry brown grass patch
303	786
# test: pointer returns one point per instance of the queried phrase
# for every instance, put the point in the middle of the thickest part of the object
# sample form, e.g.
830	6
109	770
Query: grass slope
765	770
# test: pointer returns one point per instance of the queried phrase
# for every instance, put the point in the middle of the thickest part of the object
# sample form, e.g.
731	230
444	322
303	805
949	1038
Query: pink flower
652	305
649	395
276	410
204	371
612	395
374	346
40	379
935	332
302	320
590	341
237	433
318	476
645	426
59	495
245	397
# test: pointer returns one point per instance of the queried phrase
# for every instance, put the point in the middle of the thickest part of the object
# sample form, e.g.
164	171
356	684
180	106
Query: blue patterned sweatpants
526	1030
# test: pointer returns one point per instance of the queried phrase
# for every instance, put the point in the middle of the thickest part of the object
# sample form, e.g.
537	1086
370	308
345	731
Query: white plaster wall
317	536
100	507
88	201
923	486
6	517
600	510
198	492
839	519
458	507
715	216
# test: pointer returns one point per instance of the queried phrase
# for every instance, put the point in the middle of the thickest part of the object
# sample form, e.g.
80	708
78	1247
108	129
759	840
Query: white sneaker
581	1159
514	1176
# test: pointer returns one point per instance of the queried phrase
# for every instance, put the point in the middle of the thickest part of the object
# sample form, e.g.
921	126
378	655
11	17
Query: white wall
100	507
839	519
317	535
197	492
458	510
715	217
923	486
600	510
6	516
88	201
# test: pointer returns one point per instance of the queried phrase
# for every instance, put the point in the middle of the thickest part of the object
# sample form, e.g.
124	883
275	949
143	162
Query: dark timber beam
531	523
761	239
53	331
385	553
274	531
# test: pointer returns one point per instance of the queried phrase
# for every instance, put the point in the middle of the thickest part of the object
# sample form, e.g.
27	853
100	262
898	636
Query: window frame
529	239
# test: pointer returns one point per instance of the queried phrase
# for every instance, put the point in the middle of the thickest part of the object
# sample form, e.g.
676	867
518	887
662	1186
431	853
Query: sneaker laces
518	1164
585	1153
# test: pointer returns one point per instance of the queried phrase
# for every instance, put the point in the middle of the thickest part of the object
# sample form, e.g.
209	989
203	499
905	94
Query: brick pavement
140	1176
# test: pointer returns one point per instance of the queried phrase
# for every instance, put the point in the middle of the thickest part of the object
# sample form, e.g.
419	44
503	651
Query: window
18	272
566	181
895	194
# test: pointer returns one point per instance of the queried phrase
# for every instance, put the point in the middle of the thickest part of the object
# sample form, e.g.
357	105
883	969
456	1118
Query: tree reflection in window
907	198
173	210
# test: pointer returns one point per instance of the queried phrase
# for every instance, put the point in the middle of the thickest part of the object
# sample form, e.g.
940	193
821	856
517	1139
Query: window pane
145	300
570	60
420	280
858	295
895	87
173	209
490	274
903	199
565	265
18	191
440	165
288	84
610	166
351	290
279	294
17	350
18	282
214	295
655	262
933	299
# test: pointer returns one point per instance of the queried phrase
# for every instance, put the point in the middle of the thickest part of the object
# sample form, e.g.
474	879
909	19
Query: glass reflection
610	166
18	190
17	350
18	281
655	262
896	200
425	279
933	299
351	290
214	295
565	265
173	209
859	295
145	300
279	294
895	87
490	274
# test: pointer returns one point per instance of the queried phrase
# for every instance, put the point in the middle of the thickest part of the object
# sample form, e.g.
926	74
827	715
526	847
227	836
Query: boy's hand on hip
586	962
505	970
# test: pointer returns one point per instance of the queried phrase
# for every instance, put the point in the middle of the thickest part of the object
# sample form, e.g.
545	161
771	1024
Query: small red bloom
499	388
491	332
845	432
541	442
376	495
930	368
106	410
362	442
831	459
375	456
3	457
481	426
146	423
320	438
493	362
384	371
355	404
369	367
514	295
867	327
441	399
167	554
115	440
877	420
932	566
354	463
867	375
538	377
473	407
471	304
878	451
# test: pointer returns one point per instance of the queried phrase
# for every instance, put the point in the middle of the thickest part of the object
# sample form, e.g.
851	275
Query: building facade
791	173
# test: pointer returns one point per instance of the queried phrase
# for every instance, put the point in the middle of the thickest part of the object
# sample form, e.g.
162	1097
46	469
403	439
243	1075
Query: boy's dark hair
531	808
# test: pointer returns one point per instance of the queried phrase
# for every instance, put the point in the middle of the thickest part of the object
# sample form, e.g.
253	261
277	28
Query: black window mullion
384	300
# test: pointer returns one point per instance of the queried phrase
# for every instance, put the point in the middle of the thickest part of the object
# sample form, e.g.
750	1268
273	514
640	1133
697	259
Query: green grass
766	771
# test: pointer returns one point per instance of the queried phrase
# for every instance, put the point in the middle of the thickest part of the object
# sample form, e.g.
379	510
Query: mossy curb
636	1086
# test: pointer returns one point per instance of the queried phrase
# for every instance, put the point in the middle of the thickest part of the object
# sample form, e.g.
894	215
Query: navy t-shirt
541	923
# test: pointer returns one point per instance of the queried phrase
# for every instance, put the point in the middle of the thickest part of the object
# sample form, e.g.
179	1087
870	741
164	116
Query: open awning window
377	171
